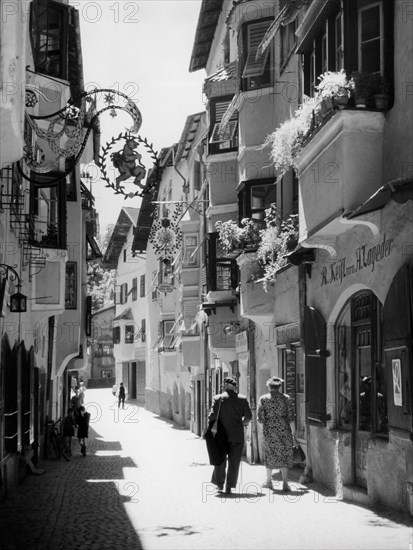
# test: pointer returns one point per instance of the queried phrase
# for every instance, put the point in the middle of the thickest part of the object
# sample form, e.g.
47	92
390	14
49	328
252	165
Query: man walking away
122	394
234	414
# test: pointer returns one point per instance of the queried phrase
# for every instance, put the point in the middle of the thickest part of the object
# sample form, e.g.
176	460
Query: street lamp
18	301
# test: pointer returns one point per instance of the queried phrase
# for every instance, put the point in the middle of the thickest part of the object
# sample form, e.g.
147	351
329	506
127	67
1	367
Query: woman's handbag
298	452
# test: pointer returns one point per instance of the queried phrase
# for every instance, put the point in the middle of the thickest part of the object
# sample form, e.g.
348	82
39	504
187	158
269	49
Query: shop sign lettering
365	257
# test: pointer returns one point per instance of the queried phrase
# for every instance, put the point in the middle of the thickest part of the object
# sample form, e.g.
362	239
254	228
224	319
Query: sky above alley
141	48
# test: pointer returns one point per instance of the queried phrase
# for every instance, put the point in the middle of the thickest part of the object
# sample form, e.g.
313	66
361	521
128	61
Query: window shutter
197	175
190	310
315	352
255	35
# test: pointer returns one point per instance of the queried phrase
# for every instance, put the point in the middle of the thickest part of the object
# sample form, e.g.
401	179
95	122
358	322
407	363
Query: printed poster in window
397	381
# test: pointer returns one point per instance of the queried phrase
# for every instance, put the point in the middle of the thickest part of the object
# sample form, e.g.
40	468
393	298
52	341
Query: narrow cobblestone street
145	484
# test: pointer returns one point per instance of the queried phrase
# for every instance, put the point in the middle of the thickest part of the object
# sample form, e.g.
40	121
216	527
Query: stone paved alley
145	484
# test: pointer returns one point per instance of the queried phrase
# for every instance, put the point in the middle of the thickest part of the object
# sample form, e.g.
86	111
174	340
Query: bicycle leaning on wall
57	441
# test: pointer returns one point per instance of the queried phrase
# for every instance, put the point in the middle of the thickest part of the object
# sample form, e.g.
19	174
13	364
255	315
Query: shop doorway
132	382
361	383
141	380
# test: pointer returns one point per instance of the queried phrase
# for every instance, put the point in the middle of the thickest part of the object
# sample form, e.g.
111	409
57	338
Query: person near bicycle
68	429
83	428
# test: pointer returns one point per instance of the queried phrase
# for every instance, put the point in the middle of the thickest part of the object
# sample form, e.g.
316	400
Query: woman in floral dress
276	413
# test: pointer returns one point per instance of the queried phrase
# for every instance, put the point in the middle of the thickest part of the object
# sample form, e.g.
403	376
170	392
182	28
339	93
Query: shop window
220	142
49	36
361	381
190	251
142	286
116	335
106	374
129	334
255	197
256	71
221	271
71	285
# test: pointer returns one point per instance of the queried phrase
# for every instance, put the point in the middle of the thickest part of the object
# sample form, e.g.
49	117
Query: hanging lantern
18	302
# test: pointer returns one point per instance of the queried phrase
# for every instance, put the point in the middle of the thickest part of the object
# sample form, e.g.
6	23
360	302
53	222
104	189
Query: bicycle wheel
55	444
63	451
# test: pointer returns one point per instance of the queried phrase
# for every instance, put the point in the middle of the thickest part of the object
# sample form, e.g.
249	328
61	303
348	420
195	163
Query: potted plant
380	90
362	86
334	86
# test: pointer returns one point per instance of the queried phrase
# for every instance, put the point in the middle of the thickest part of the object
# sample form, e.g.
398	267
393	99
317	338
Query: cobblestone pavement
145	484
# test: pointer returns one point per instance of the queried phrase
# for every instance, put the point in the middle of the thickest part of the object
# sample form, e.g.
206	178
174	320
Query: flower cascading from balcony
270	241
286	142
64	133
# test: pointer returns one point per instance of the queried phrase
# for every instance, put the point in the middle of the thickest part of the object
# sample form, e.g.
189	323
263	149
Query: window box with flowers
235	239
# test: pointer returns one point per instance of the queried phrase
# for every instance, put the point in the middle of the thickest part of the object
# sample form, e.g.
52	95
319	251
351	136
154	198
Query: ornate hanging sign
166	235
64	133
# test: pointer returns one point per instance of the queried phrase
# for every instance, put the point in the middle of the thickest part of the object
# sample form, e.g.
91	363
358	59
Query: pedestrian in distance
276	413
121	395
68	425
233	413
81	393
83	419
114	390
74	403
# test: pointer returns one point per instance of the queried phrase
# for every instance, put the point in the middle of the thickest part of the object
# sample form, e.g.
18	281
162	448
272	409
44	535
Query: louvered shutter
255	35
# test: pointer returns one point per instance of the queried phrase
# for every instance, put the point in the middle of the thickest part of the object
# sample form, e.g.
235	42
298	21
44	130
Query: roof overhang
205	32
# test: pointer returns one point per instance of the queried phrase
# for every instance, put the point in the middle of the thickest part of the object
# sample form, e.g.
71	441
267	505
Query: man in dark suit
234	413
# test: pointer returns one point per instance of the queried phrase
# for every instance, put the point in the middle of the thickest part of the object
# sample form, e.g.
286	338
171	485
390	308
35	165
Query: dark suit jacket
235	410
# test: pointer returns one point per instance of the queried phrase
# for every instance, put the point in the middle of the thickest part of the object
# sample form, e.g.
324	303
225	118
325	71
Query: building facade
316	286
129	323
43	257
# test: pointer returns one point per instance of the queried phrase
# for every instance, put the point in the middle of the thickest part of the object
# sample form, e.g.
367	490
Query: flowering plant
333	85
277	239
230	234
287	140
